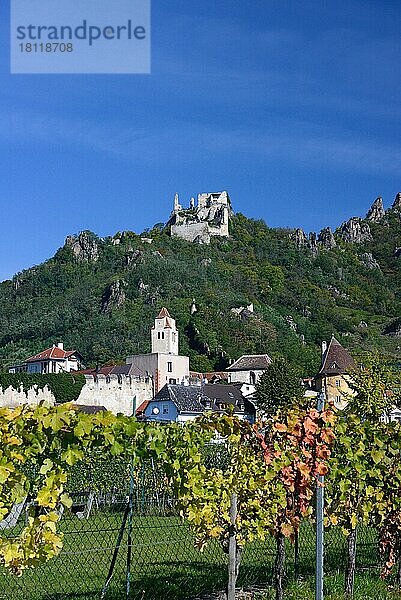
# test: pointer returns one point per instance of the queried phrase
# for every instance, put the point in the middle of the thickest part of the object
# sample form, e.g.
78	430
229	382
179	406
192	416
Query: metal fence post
129	538
232	550
320	520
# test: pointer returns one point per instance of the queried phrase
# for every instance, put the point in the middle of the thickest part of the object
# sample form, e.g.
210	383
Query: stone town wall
12	398
115	392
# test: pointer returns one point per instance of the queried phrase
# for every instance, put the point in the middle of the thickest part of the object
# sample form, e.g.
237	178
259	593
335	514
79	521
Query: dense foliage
66	387
279	387
298	297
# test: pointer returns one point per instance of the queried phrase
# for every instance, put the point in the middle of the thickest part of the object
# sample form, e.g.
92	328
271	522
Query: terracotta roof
163	313
52	353
210	377
142	407
336	360
249	362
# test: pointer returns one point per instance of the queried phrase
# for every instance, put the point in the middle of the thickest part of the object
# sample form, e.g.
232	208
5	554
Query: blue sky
293	107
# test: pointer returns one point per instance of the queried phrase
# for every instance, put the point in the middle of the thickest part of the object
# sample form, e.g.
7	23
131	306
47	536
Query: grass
166	564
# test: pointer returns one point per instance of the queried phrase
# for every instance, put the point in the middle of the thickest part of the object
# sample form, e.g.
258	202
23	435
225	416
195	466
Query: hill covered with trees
100	296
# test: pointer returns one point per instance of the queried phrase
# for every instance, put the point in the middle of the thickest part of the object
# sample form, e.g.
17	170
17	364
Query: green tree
279	387
365	463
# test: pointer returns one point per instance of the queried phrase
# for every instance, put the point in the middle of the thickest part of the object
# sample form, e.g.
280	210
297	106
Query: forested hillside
100	296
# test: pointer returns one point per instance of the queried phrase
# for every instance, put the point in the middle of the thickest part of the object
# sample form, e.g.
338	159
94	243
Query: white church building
164	364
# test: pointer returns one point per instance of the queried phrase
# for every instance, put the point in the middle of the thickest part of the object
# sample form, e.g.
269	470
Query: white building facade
163	364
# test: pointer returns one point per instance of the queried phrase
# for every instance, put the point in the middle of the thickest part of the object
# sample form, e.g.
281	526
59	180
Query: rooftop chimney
60	345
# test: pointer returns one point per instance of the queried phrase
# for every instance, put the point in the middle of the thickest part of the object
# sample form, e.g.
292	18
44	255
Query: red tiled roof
51	353
210	376
163	313
142	407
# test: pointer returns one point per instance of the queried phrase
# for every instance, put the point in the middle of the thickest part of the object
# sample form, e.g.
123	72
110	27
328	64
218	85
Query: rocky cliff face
84	246
114	296
326	238
355	231
397	202
376	211
368	261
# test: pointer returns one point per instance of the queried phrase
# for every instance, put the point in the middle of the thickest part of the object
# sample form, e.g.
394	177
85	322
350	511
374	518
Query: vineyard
104	506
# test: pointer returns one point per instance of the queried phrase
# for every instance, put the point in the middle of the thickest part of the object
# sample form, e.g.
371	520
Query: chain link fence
155	549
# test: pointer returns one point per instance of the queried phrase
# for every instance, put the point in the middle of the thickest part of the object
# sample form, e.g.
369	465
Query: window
338	382
158	335
338	398
165	409
172	381
252	378
162	335
208	404
169	367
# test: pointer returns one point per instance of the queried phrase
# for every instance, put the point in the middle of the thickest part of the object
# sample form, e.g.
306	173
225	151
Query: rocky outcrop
300	238
313	243
368	261
133	257
84	246
326	238
376	212
355	231
397	202
114	296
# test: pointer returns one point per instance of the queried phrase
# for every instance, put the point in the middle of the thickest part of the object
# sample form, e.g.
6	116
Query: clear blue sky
293	107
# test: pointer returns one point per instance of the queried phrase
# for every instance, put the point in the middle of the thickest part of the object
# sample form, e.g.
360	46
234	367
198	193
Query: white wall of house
250	377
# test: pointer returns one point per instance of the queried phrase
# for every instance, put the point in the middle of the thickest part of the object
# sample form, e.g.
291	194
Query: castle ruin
199	222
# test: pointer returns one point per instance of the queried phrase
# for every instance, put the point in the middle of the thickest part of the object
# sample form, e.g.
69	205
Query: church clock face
155	410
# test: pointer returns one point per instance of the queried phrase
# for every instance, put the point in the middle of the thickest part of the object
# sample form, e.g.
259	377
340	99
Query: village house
334	374
248	368
51	360
181	403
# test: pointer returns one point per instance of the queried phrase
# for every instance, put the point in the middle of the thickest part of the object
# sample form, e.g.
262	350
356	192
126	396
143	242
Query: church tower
164	334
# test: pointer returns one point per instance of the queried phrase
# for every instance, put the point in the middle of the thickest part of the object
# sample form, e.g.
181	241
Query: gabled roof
163	313
54	352
221	393
336	360
187	398
249	362
195	398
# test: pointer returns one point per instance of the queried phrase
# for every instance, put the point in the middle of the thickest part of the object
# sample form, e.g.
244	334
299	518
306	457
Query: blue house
182	403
